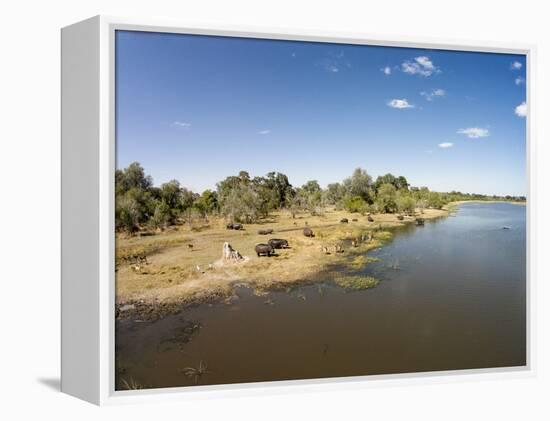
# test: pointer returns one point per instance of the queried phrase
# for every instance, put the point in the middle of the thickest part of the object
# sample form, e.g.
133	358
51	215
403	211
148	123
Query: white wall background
29	211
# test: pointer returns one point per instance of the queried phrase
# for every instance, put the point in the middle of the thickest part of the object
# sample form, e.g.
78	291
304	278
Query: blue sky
200	108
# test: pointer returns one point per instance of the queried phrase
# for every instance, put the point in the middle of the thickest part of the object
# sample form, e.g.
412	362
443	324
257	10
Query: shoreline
164	286
461	202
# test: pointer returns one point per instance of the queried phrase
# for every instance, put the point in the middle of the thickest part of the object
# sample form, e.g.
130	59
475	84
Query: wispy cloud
421	65
434	93
386	70
521	110
400	104
516	65
519	80
446	145
183	124
474	132
263	132
335	62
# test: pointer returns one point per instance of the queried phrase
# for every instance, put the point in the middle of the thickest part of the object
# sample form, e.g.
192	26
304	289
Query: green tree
334	193
281	188
298	202
313	195
400	183
206	203
359	184
434	200
127	211
170	194
355	204
162	216
132	177
405	203
387	197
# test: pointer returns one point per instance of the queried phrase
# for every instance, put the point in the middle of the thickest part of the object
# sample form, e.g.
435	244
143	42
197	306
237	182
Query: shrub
355	204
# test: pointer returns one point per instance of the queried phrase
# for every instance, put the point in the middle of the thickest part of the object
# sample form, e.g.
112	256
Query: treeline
242	198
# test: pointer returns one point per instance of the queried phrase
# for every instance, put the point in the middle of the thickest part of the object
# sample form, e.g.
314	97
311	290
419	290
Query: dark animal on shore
278	243
400	217
308	232
263	249
265	232
419	221
354	220
344	220
190	246
234	226
370	219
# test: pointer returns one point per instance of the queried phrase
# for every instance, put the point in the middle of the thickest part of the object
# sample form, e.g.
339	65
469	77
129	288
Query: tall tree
359	184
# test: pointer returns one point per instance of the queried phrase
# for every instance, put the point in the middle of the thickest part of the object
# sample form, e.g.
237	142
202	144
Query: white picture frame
88	163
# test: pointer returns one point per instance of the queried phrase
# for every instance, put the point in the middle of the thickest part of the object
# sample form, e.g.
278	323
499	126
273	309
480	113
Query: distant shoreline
461	202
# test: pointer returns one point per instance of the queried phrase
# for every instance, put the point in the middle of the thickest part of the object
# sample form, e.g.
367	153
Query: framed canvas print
245	208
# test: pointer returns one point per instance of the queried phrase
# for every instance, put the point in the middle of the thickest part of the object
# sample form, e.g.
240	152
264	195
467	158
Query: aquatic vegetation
131	384
353	282
362	260
383	235
196	373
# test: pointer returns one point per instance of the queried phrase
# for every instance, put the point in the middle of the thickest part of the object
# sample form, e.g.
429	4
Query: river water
452	296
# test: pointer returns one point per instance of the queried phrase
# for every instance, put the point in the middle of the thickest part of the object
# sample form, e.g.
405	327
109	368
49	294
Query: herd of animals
268	249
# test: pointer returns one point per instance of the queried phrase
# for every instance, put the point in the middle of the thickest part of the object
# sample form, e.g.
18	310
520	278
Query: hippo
370	219
344	220
400	217
234	226
263	249
278	243
419	221
308	232
354	220
265	231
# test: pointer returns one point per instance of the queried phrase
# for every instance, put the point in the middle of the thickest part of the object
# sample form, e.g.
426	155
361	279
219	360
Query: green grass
356	283
362	260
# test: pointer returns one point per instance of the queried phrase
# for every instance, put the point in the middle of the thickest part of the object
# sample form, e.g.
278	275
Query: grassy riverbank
184	263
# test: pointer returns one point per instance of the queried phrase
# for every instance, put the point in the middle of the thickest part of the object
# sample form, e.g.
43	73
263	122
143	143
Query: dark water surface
452	296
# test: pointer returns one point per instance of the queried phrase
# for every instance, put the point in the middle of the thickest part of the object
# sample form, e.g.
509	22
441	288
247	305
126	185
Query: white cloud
516	65
419	66
434	93
400	104
519	80
474	132
335	62
181	124
446	145
386	70
264	132
521	110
